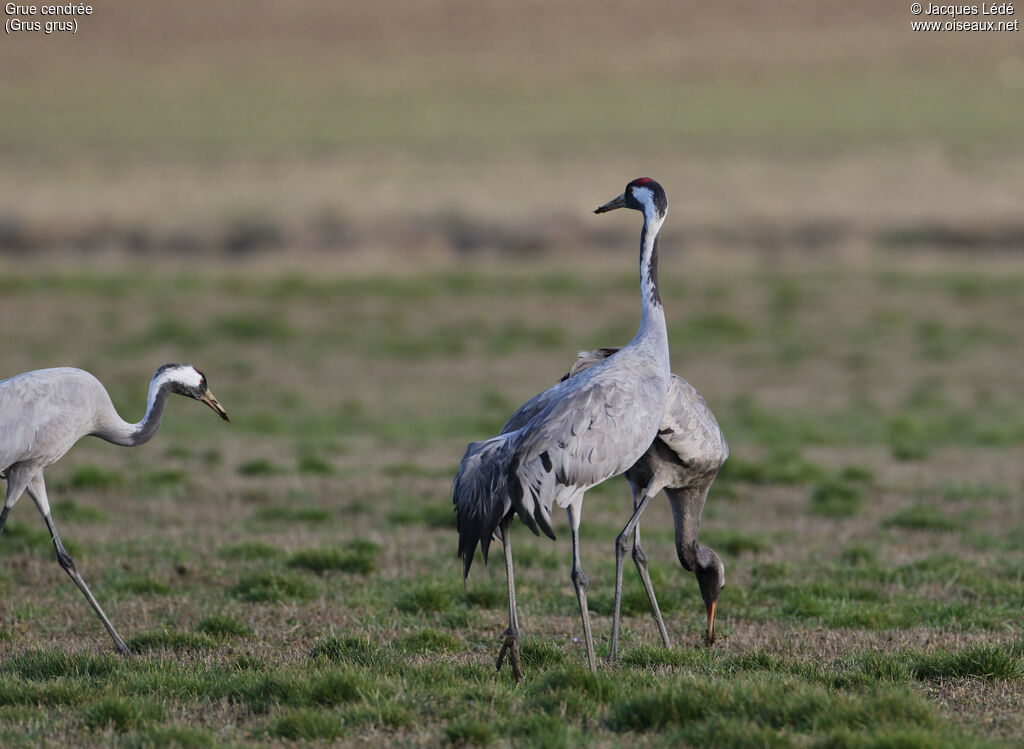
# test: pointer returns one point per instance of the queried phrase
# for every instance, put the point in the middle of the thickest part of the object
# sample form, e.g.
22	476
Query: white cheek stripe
191	376
185	375
645	196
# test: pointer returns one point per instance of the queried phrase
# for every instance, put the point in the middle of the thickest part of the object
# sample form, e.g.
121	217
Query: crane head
184	379
710	574
644	195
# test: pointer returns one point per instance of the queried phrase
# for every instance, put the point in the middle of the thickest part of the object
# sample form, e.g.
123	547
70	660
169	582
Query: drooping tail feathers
480	494
488	488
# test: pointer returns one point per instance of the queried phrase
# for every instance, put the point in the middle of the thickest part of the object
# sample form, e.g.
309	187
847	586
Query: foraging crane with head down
45	412
572	436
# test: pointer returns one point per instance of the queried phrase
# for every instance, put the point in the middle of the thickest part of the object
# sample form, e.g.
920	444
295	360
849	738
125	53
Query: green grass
835	497
181	737
137	585
18	537
772	703
677	694
249	550
269	587
780	466
307	724
426	598
170	640
223	626
348	649
73	512
469	732
314	465
283	514
921	517
427	641
85	477
117	714
979	661
258	467
358	556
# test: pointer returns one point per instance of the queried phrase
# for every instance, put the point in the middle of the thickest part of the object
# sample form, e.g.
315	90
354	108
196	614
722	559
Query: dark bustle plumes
486	489
481	497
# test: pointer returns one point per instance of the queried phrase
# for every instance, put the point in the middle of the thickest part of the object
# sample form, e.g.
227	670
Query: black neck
649	265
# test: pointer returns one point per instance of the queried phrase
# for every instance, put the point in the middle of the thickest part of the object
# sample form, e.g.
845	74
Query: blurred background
432	130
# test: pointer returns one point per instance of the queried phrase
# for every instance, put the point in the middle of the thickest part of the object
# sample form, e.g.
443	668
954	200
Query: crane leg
510	637
640	560
621	545
37	490
580	583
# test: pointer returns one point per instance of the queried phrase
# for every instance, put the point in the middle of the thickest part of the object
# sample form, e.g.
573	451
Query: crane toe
510	649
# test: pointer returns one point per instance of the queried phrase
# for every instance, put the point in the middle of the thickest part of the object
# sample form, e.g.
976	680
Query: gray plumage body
690	446
45	412
689	435
573	435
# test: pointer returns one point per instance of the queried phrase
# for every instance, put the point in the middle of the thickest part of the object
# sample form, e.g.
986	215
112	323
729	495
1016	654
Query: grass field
292	575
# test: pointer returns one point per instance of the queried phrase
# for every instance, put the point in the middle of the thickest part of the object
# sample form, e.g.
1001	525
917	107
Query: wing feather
689	428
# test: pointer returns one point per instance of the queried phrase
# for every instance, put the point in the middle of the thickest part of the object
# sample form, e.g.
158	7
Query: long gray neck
114	429
687	508
653	332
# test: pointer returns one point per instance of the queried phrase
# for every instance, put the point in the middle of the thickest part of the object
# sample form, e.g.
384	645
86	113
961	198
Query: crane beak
218	409
611	205
710	638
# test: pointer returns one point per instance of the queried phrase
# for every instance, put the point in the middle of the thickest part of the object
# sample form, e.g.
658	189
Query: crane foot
510	649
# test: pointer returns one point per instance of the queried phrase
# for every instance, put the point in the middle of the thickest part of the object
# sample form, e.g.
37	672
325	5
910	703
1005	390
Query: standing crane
45	412
572	436
684	461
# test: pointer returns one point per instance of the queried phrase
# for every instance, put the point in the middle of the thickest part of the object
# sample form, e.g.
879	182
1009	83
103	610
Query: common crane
572	436
43	413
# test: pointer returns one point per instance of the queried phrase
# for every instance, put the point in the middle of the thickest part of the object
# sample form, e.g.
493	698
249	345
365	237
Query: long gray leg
37	490
510	646
581	584
621	545
640	560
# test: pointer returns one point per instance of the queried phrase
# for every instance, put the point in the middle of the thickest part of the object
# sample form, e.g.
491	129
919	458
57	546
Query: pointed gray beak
611	205
218	409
